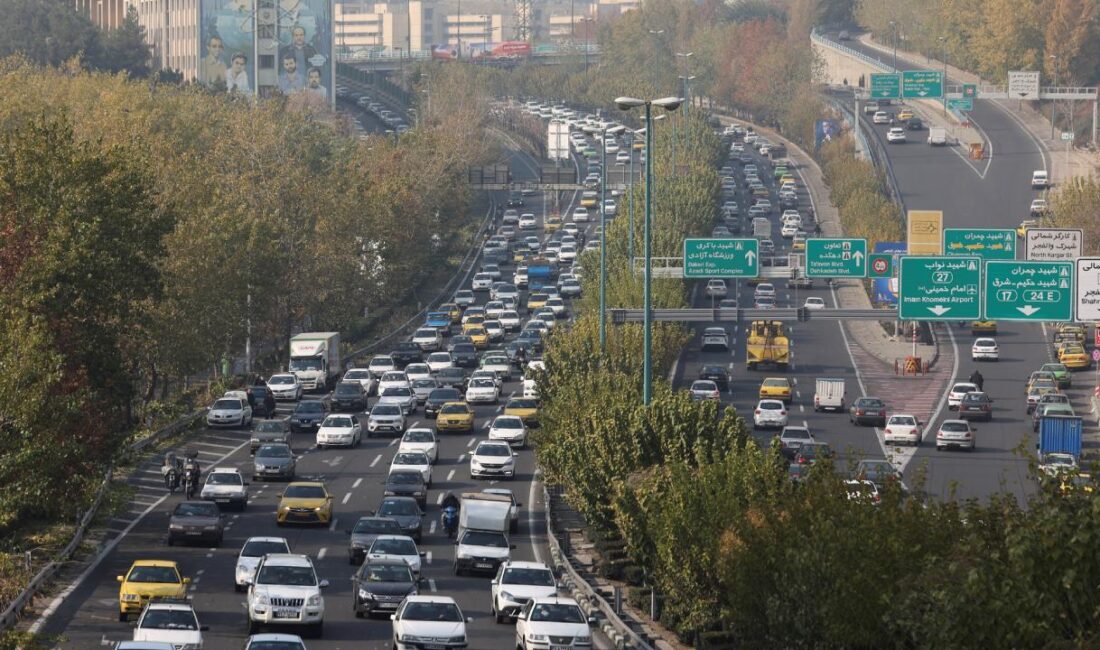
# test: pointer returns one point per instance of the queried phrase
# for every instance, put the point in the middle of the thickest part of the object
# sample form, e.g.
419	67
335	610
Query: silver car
274	461
386	417
400	396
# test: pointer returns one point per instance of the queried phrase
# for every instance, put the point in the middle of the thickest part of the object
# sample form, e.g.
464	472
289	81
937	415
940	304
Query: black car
406	512
914	124
407	483
976	405
458	339
719	375
308	415
868	410
380	585
349	397
452	378
196	521
269	431
515	199
364	533
464	355
405	353
441	396
535	339
262	401
530	350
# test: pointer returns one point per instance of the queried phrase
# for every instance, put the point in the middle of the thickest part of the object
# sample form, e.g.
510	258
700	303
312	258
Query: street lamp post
943	39
894	26
669	104
630	189
603	234
1054	104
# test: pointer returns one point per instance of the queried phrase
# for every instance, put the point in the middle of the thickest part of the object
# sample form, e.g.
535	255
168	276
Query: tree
47	31
124	48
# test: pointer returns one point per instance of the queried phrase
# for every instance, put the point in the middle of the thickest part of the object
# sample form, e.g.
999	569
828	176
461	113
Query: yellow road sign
925	232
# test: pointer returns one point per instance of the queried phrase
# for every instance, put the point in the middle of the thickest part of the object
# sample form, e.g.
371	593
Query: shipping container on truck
1060	433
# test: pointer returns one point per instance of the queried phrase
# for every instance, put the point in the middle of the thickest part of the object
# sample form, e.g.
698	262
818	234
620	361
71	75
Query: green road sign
970	91
880	265
922	84
1034	291
885	86
836	258
960	104
940	288
721	258
986	243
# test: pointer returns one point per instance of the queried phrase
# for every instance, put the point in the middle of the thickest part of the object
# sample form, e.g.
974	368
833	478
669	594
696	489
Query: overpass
389	60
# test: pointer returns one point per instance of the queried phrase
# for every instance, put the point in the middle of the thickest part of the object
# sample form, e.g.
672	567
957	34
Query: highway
88	615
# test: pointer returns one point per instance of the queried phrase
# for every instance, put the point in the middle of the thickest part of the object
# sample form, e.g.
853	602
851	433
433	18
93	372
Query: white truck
761	228
829	394
315	359
937	136
483	523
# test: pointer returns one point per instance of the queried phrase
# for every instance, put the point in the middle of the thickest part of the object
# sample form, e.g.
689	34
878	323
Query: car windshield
161	574
276	645
903	420
522	404
228	404
399	507
418	435
224	478
955	427
439	357
310	407
974	397
771	406
411	458
196	510
493	450
305	364
348	389
454	409
386	409
338	422
376	525
535	577
557	613
273	451
394	376
465	347
482	382
446	394
424	383
508	423
381	362
296	576
386	573
484	538
259	548
423	611
397	391
281	379
869	404
796	433
405	478
305	492
703	385
169	619
394	546
270	426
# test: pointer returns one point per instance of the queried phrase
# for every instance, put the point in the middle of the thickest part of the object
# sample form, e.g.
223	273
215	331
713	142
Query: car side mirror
186	581
323	584
121	578
393	617
592	622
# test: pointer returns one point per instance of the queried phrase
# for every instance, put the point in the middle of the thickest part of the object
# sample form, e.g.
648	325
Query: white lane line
376	459
439	499
431	527
471	443
392	442
461	458
322	553
450	474
798	394
801	409
415	424
488	423
347	497
431	584
332	526
428	557
357	482
794	380
806	424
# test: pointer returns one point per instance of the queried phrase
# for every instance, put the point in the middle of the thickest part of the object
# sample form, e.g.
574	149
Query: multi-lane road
88	615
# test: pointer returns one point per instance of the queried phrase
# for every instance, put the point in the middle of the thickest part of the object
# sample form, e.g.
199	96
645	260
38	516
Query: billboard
445	52
505	50
305	47
825	131
227	45
885	290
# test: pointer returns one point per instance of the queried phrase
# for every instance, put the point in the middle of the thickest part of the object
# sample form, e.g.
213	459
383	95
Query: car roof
443	600
275	637
225	470
523	564
164	563
266	539
288	559
555	600
307	483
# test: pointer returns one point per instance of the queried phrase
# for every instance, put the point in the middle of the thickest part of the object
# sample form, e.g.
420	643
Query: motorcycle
171	479
450	521
191	480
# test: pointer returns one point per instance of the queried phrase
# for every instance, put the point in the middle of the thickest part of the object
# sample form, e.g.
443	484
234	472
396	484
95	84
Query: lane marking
376	459
439	499
428	557
347	497
431	527
357	482
431	584
322	553
332	526
450	475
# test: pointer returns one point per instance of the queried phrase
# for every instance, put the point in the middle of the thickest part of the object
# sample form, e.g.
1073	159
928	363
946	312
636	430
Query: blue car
440	320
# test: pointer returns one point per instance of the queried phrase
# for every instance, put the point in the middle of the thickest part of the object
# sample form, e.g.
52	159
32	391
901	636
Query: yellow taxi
453	310
471	322
536	300
552	223
787	182
479	336
905	114
1068	483
148	580
776	388
1076	331
639	145
761	191
798	243
983	327
455	416
590	199
304	502
1074	357
523	407
1040	376
1025	225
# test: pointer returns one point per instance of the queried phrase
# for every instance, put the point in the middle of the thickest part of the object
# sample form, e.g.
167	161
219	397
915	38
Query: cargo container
1060	433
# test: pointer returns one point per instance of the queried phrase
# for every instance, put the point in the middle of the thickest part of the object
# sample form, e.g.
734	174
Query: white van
1039	179
829	394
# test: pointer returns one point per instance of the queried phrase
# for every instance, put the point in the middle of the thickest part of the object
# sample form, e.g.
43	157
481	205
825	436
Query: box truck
483	521
829	394
937	136
315	359
1060	433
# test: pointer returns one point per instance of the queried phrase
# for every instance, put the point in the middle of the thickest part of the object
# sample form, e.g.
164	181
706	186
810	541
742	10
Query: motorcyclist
172	470
977	379
449	517
192	473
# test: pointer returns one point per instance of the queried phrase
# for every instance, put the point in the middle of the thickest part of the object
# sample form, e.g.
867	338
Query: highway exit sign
885	86
922	84
836	258
721	258
964	104
1029	291
940	288
986	243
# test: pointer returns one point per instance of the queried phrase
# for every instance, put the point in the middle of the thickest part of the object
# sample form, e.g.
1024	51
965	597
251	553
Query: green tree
47	32
124	48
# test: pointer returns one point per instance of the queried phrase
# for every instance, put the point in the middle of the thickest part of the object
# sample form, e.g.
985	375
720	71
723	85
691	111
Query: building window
267	61
428	12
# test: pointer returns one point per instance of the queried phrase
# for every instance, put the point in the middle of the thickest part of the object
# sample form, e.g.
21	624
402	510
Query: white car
492	459
493	308
286	591
790	229
716	288
428	338
622	158
568	253
985	349
481	282
481	390
225	485
510	429
553	617
1055	463
958	391
881	117
610	208
381	364
428	617
510	319
364	377
249	558
527	221
339	430
557	306
229	412
285	387
516	583
437	361
813	302
420	440
715	337
386	417
902	428
173	623
396	547
415	371
280	641
580	214
955	433
464	298
494	329
393	379
499	363
895	135
769	413
413	461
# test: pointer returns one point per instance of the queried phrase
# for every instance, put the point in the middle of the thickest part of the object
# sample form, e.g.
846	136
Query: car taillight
888	430
758	411
966	435
782	412
861	412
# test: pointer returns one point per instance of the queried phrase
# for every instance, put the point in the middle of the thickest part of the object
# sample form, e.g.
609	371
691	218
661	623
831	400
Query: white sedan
984	349
769	413
789	229
428	617
439	361
482	282
881	117
285	386
814	302
902	428
482	391
415	371
420	440
510	429
413	461
580	214
363	376
716	288
339	429
393	379
958	391
527	221
895	135
553	617
396	547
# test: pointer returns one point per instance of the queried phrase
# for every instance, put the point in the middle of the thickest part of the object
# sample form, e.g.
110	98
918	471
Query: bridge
389	60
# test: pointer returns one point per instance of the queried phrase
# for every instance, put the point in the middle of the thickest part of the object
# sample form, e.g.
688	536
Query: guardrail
590	600
732	315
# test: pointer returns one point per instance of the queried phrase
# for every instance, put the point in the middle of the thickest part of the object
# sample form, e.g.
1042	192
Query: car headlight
175	527
510	461
537	637
130	597
584	639
461	638
314	601
507	596
474	463
317	509
365	595
261	599
409	638
418	494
